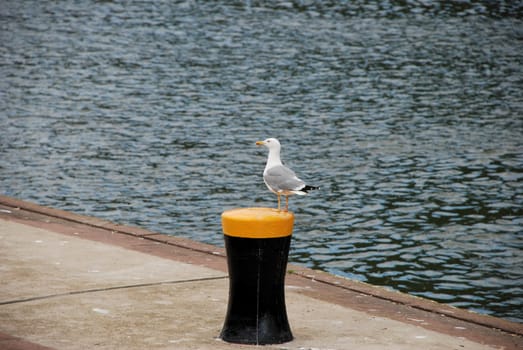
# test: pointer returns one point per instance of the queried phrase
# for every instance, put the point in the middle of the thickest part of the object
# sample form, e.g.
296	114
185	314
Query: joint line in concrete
96	290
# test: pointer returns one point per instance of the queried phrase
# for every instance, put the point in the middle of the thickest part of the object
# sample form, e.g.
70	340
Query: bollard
257	242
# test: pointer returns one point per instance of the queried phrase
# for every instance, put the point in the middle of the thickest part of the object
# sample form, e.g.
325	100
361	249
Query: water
407	114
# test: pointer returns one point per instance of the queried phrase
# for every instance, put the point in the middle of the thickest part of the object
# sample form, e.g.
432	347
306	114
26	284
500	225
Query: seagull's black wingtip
308	188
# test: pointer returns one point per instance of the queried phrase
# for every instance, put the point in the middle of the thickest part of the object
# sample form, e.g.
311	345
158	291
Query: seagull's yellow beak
260	143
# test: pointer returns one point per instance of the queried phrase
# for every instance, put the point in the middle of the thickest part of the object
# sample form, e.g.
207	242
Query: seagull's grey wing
281	178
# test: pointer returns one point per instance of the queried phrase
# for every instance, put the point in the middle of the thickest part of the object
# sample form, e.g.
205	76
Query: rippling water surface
409	115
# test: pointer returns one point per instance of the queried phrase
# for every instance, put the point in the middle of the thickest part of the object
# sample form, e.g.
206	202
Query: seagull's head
271	144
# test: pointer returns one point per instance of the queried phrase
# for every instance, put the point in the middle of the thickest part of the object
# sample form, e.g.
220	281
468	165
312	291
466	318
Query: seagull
280	179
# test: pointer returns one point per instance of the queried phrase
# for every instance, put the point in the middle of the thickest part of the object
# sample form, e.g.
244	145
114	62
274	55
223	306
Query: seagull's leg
278	194
286	203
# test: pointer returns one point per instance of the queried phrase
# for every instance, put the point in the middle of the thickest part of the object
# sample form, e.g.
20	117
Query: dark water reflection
407	114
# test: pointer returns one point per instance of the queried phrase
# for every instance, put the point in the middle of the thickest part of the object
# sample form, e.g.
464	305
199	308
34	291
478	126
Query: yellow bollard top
257	223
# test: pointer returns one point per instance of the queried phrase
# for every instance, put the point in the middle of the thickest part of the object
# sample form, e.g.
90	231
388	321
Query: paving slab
68	284
190	316
39	262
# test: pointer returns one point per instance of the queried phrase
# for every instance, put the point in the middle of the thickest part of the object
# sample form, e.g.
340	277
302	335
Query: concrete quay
75	282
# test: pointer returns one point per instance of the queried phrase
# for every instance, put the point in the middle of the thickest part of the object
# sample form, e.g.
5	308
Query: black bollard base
256	311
